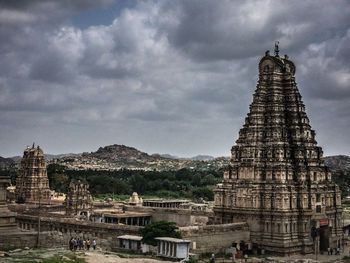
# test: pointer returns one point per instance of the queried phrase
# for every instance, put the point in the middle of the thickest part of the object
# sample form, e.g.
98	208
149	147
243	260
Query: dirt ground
93	257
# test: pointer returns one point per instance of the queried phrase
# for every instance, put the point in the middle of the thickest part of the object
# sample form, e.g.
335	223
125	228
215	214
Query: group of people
81	244
336	251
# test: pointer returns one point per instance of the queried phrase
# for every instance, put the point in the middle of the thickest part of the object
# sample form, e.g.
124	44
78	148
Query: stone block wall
17	240
56	232
182	217
215	238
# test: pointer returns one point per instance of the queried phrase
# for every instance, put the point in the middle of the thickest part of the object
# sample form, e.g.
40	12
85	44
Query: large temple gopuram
277	181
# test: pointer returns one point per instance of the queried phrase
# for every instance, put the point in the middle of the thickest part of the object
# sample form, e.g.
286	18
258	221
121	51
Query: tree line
184	183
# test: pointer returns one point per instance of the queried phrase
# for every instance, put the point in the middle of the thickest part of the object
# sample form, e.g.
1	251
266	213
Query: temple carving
78	200
32	184
277	180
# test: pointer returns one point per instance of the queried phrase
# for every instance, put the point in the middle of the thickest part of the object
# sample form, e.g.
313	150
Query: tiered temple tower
277	181
32	184
78	200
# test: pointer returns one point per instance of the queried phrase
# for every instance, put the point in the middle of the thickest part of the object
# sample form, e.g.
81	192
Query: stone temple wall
56	232
182	217
215	238
17	240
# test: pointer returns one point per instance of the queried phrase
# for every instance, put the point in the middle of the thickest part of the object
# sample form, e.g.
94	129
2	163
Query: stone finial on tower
267	53
276	48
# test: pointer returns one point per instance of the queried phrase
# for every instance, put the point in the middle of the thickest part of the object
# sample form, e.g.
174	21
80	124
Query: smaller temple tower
135	200
78	200
32	183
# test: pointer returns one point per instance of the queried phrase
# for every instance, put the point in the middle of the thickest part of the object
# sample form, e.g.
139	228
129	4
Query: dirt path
93	257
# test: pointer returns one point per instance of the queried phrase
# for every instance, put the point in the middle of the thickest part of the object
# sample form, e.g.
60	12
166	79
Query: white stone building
173	247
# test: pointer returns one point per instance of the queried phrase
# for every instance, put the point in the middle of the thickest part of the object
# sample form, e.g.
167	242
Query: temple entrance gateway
324	238
277	180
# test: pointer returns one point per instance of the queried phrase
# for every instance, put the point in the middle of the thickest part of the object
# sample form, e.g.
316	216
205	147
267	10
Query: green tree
159	229
58	179
203	192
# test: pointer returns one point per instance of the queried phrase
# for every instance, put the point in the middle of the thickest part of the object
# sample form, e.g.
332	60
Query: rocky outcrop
120	153
337	162
5	162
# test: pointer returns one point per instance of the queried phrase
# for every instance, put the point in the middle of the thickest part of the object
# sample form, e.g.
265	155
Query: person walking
71	244
88	243
245	257
84	244
75	244
78	244
94	244
212	258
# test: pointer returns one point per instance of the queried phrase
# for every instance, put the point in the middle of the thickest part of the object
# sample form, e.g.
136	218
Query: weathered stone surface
277	181
78	200
7	218
32	183
215	238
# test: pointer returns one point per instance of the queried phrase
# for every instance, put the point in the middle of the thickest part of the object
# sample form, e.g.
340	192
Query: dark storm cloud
239	29
164	76
64	6
324	69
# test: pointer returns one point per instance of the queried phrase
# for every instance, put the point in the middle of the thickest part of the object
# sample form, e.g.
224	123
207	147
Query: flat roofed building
164	203
173	247
134	243
128	218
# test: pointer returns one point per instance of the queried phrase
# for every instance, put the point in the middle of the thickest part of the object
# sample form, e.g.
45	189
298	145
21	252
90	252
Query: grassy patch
60	259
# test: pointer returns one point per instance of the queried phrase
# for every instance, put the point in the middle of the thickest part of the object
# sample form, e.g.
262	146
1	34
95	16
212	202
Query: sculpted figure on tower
277	180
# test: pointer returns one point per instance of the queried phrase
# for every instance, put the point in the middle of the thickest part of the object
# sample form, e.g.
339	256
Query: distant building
135	199
164	203
277	180
173	247
32	183
133	243
7	218
78	200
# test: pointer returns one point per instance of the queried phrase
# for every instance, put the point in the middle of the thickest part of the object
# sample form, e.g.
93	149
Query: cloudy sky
163	76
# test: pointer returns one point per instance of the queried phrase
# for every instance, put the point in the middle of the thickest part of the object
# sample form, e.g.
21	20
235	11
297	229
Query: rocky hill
5	162
120	153
47	156
337	162
116	157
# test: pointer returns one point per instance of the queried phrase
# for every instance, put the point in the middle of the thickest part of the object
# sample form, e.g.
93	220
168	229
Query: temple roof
284	64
